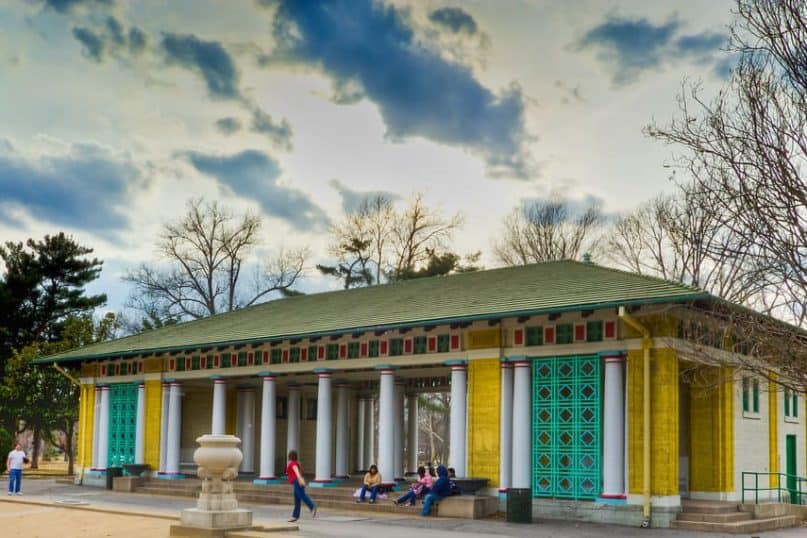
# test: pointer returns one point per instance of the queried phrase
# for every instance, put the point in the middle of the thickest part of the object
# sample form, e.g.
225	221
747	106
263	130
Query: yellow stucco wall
484	388
197	412
151	437
663	424
711	437
86	422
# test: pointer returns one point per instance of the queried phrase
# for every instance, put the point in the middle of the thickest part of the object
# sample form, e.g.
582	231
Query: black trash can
112	472
519	505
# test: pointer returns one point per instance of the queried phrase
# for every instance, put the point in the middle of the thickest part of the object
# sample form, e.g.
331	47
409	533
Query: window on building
373	348
395	346
311	409
420	344
276	356
750	395
195	360
594	331
564	333
294	354
180	362
443	342
791	404
332	352
353	350
312	353
534	336
242	358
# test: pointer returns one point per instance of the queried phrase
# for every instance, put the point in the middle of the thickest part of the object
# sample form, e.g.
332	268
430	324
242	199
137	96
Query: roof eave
532	312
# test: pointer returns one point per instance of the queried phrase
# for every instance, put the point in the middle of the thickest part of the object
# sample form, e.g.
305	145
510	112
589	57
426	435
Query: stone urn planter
218	458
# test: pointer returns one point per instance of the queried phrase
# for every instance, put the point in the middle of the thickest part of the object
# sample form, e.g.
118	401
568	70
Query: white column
369	433
412	434
268	428
103	430
174	428
613	471
218	426
361	443
324	428
399	431
457	448
506	427
140	425
293	419
246	428
386	427
96	419
342	451
522	413
166	393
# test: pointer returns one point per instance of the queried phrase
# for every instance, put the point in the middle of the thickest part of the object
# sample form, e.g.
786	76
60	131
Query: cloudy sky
113	113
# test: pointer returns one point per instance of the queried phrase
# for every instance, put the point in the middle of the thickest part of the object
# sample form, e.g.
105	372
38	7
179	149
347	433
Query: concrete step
708	507
737	527
714	518
323	497
261	491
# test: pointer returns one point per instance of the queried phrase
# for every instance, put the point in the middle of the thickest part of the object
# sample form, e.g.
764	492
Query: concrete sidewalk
40	513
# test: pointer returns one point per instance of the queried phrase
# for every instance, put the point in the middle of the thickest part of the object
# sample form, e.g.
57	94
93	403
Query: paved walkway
134	515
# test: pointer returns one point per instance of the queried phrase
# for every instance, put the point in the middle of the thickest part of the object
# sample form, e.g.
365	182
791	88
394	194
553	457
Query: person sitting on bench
440	489
452	475
420	487
372	481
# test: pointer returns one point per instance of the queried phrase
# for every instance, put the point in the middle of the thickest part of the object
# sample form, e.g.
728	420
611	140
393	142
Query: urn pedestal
216	512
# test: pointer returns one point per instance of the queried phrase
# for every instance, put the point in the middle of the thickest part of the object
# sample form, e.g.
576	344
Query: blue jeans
373	492
409	496
427	503
299	495
14	480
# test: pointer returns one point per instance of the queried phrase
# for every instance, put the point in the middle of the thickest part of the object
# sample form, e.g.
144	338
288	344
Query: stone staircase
339	497
731	518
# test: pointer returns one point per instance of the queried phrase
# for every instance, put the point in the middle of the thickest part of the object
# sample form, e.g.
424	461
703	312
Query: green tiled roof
511	291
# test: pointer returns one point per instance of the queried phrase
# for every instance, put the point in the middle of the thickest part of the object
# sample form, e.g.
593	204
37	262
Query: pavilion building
545	366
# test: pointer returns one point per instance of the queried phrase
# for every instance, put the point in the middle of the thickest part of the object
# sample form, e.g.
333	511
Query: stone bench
125	483
466	506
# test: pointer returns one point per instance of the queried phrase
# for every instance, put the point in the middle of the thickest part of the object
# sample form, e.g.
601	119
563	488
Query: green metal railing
789	488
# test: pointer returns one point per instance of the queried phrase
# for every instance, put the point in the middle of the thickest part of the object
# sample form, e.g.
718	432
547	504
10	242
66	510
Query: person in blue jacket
441	488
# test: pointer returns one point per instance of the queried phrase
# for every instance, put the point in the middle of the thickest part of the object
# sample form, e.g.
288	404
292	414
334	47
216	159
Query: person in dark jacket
441	488
452	476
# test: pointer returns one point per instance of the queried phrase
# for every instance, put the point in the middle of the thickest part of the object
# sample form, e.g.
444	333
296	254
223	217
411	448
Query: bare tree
547	230
418	233
377	242
747	342
378	214
748	145
683	238
204	254
433	417
359	243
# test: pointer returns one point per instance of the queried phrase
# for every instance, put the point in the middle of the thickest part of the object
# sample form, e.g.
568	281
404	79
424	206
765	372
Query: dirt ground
35	521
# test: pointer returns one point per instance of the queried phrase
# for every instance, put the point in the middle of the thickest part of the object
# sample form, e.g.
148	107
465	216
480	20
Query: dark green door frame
791	469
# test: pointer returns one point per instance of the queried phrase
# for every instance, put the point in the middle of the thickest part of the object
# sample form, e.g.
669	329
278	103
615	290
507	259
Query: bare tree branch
204	255
747	148
546	231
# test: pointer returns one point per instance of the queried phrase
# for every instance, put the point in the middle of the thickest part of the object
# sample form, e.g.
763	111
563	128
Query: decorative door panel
122	423
566	427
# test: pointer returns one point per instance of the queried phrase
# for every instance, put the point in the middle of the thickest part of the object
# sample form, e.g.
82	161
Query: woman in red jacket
295	475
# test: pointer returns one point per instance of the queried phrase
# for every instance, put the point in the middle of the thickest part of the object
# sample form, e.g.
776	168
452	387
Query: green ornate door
122	423
566	427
